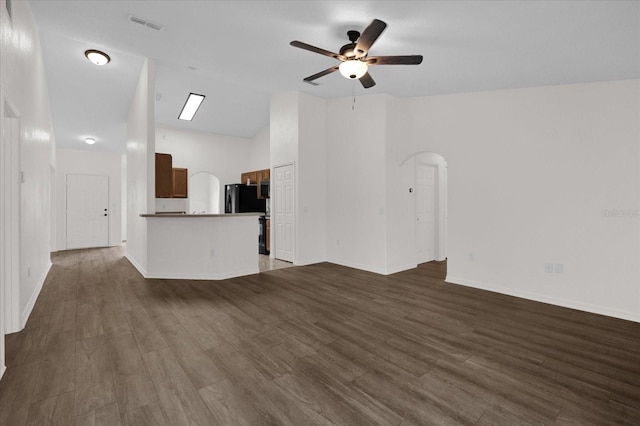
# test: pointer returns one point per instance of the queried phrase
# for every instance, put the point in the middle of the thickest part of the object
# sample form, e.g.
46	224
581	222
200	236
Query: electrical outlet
212	253
558	268
472	257
548	268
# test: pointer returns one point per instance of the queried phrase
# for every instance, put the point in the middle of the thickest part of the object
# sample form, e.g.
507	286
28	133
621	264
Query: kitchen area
192	238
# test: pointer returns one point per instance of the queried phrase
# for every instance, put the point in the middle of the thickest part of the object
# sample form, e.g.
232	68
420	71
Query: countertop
200	215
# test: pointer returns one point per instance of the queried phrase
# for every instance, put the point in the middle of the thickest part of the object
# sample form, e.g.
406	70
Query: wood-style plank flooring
315	345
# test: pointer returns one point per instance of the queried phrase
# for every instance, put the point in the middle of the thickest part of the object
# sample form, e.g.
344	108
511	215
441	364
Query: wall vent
148	24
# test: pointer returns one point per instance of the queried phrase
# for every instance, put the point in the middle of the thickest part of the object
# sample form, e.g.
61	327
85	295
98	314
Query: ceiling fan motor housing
348	50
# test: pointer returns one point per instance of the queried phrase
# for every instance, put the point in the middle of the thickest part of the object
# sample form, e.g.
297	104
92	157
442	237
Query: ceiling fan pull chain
353	104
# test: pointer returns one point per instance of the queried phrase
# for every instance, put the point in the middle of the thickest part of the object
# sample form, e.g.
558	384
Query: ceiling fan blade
314	49
368	37
321	74
395	60
367	81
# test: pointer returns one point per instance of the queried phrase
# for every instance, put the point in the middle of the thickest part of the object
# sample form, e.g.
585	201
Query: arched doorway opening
430	195
204	193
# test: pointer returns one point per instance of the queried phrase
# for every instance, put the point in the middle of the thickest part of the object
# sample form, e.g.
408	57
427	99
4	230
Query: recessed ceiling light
90	141
191	106
97	57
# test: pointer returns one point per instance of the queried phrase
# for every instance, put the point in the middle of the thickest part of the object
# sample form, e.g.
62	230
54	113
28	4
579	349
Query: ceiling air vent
146	23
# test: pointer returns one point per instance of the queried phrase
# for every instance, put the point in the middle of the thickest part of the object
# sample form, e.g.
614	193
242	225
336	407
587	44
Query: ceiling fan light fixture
353	69
97	57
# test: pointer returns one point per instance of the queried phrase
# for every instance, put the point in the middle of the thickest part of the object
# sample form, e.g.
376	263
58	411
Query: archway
204	193
430	195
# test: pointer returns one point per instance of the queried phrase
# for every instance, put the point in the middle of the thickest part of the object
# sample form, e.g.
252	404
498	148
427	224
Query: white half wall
141	165
78	162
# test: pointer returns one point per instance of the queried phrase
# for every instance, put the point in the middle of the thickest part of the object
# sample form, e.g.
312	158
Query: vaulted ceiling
237	53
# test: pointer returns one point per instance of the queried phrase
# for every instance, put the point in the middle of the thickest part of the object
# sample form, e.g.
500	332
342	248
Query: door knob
105	214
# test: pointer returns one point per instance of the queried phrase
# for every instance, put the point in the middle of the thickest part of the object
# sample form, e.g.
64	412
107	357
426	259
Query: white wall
356	184
23	83
283	129
298	136
531	176
141	165
534	176
123	196
259	150
311	181
225	157
76	162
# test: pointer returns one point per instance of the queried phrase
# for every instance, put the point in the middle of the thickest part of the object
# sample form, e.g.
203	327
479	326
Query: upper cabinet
170	182
164	176
249	178
260	178
180	185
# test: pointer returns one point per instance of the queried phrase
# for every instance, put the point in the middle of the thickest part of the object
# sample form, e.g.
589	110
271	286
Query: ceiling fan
355	56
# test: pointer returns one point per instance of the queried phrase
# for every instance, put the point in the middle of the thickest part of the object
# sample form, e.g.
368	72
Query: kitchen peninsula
202	246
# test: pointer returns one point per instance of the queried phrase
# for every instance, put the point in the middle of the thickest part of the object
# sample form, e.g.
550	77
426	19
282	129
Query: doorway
425	211
87	211
283	209
10	221
430	206
204	193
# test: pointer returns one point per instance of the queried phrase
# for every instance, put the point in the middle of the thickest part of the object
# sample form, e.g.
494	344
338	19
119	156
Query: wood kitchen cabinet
164	176
170	182
252	177
180	183
256	178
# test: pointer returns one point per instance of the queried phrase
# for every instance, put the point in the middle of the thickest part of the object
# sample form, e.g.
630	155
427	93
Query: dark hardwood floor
315	345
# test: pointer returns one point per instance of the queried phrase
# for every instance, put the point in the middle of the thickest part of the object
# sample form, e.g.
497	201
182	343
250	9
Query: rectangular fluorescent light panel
191	106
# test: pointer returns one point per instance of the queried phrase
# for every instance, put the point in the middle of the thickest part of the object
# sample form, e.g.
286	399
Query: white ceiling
237	53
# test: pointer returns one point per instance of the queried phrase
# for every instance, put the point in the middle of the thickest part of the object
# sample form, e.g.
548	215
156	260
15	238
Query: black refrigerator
239	198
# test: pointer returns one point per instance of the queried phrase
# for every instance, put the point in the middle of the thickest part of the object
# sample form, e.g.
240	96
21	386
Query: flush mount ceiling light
90	141
191	106
97	57
353	69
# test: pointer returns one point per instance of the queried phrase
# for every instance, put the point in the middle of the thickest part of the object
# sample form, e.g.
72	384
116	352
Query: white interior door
283	211
87	211
425	211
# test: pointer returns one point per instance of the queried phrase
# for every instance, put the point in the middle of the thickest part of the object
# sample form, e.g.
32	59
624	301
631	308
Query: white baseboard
212	277
34	296
135	264
600	310
396	269
361	267
374	269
